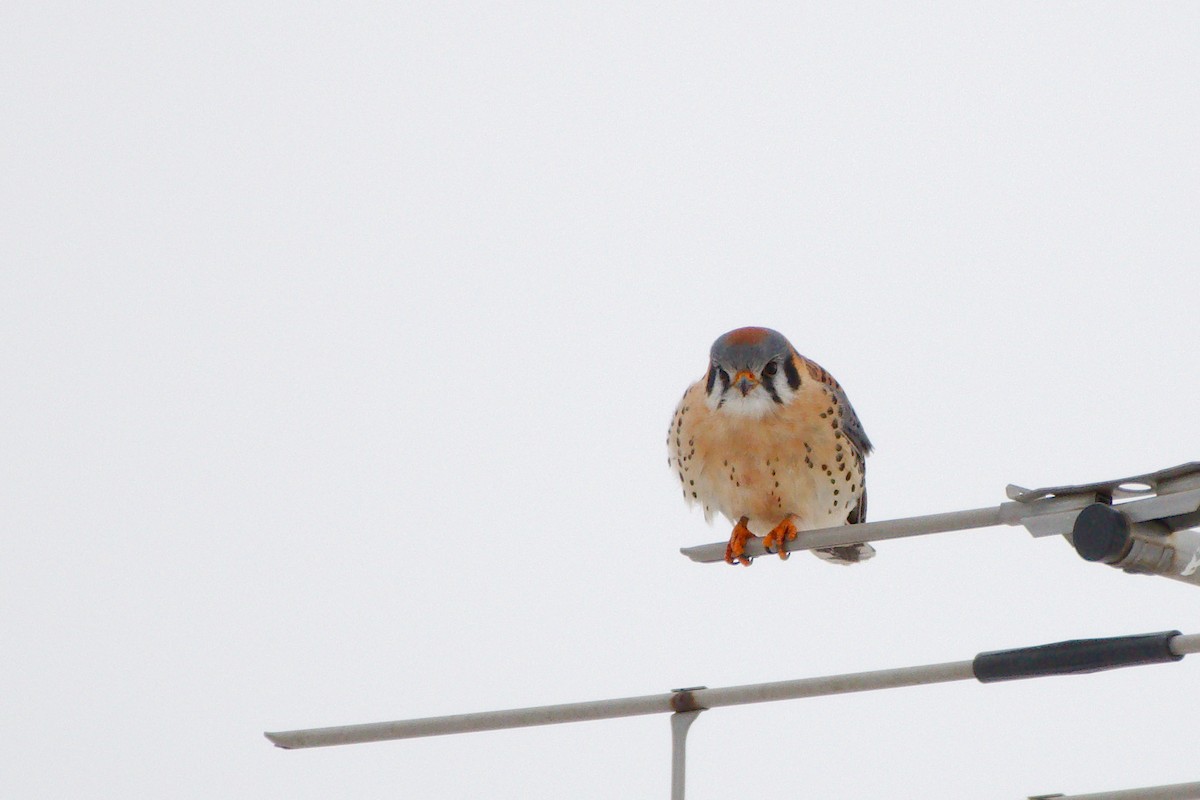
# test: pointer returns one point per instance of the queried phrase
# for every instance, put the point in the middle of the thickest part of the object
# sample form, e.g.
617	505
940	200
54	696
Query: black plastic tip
1101	533
1076	656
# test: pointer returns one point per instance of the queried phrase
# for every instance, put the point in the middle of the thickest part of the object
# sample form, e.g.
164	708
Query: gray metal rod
835	684
680	722
468	723
1169	495
622	707
1185	644
1004	514
1175	791
648	704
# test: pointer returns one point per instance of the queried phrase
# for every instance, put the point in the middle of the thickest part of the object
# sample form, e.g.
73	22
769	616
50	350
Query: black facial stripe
712	379
793	375
724	380
769	384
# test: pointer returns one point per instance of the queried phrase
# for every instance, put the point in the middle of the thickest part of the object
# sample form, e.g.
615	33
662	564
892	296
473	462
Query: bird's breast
790	462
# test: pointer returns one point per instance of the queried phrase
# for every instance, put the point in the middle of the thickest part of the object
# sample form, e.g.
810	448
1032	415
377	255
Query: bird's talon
780	535
735	551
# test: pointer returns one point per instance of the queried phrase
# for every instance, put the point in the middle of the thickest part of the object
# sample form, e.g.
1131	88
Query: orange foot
780	535
735	551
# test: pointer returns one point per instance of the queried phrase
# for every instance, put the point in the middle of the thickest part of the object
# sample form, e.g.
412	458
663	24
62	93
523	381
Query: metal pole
1175	791
1060	658
872	531
468	723
1186	644
680	722
679	701
1170	497
622	707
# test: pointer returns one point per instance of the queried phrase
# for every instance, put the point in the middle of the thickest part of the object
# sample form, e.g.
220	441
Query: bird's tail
846	553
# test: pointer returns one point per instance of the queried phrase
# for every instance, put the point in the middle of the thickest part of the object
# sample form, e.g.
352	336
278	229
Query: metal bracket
1133	487
1138	524
1171	496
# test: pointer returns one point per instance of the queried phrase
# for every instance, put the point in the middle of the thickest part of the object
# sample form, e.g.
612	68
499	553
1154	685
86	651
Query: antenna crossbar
1087	655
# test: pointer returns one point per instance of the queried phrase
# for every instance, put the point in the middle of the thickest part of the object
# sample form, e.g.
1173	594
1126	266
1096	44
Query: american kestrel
769	439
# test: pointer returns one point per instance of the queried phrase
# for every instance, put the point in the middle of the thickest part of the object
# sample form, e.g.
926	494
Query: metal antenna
1146	532
1060	658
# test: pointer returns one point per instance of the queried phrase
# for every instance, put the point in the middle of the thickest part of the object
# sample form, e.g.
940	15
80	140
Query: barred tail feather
846	554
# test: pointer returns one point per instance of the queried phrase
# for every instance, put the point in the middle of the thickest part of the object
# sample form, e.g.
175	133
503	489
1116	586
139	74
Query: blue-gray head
750	371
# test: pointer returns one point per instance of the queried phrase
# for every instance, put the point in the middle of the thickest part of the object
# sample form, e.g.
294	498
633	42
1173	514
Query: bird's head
751	371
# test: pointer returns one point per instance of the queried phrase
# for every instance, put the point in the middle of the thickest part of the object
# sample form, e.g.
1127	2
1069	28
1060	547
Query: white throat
755	405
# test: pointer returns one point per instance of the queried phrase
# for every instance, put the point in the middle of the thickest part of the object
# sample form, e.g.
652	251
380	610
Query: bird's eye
770	369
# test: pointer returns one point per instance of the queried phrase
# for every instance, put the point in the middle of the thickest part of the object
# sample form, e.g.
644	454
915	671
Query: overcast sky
340	341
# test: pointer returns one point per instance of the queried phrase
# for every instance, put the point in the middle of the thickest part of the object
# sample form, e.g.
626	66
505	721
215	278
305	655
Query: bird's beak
745	380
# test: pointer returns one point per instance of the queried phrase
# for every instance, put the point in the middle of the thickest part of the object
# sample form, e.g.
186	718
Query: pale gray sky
340	342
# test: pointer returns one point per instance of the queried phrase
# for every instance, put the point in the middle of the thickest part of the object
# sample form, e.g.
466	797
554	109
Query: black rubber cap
1101	533
1074	657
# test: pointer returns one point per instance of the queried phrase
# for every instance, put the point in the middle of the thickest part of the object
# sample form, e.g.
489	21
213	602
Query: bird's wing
853	427
850	422
859	512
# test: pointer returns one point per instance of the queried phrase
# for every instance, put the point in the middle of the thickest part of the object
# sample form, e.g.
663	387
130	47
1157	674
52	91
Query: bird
768	439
